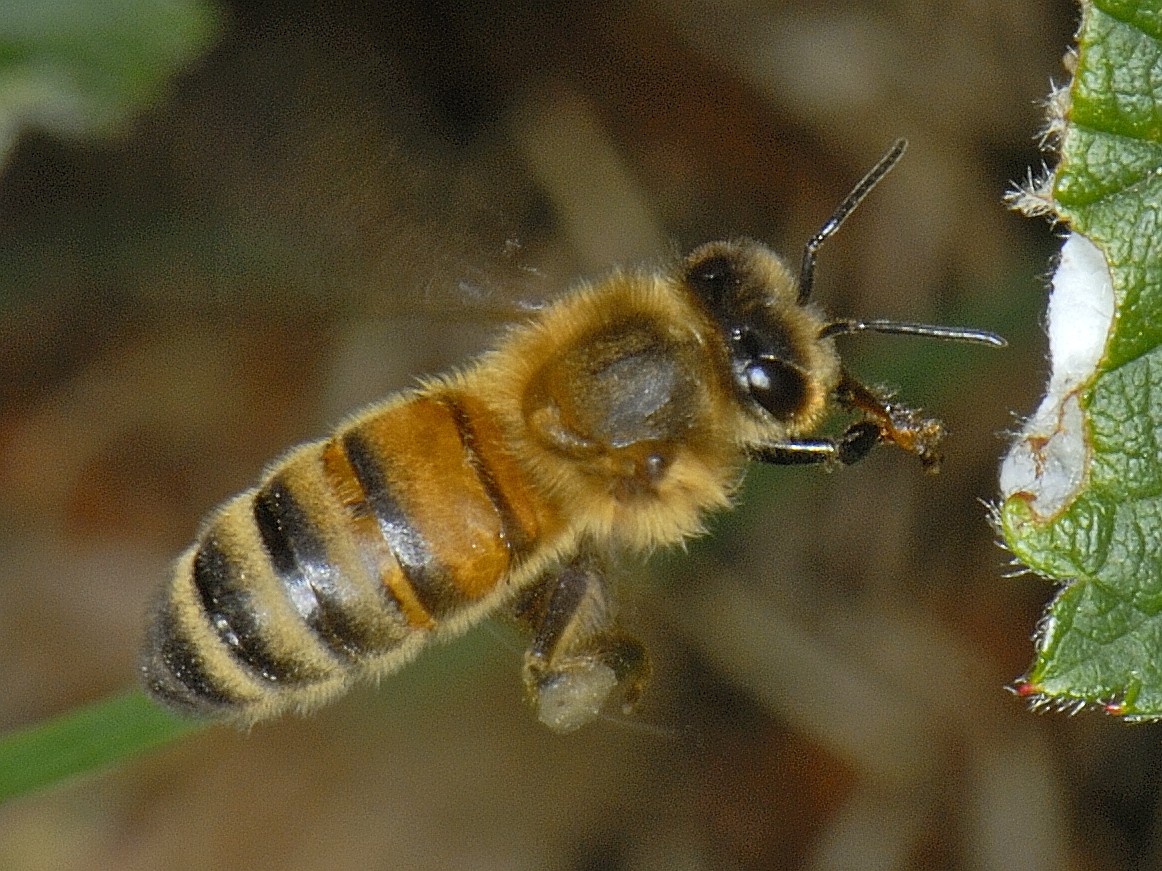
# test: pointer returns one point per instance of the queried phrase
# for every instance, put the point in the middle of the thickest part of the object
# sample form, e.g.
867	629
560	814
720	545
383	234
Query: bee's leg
884	421
577	657
851	447
898	424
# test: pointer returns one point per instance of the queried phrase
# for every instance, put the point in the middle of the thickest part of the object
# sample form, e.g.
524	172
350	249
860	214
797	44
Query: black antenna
853	199
956	334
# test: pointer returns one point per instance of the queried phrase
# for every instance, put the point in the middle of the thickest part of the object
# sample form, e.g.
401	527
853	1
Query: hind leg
578	658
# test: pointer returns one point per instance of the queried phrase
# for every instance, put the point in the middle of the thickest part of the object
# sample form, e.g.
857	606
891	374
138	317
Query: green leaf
1101	640
80	67
85	740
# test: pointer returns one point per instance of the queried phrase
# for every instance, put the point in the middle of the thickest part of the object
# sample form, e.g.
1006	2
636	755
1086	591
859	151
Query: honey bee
611	422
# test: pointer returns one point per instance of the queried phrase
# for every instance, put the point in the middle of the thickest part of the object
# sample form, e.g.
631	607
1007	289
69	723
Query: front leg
851	447
898	424
884	421
577	657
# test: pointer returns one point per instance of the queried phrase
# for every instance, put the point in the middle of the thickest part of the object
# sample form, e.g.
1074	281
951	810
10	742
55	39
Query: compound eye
780	388
713	278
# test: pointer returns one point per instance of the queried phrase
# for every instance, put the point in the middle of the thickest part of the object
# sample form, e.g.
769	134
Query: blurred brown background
341	196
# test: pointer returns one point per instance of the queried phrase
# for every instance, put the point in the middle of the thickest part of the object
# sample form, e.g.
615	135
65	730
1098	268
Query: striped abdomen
343	561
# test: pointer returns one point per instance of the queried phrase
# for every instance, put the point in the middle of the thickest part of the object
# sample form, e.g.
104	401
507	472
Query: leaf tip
1025	689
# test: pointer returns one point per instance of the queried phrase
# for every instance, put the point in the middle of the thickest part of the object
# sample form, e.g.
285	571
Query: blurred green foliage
80	68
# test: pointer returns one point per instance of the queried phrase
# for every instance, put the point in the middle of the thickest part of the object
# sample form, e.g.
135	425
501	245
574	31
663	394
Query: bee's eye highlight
779	387
713	278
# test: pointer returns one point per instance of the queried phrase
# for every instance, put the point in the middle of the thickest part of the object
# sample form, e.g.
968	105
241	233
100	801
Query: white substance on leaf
1048	461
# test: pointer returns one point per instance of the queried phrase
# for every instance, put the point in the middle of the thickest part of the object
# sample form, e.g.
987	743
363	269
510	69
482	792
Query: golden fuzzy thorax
710	452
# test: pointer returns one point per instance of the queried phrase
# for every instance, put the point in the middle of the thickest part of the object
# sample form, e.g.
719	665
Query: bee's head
782	359
779	359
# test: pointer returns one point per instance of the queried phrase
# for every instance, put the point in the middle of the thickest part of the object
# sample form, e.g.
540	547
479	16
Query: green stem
85	740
